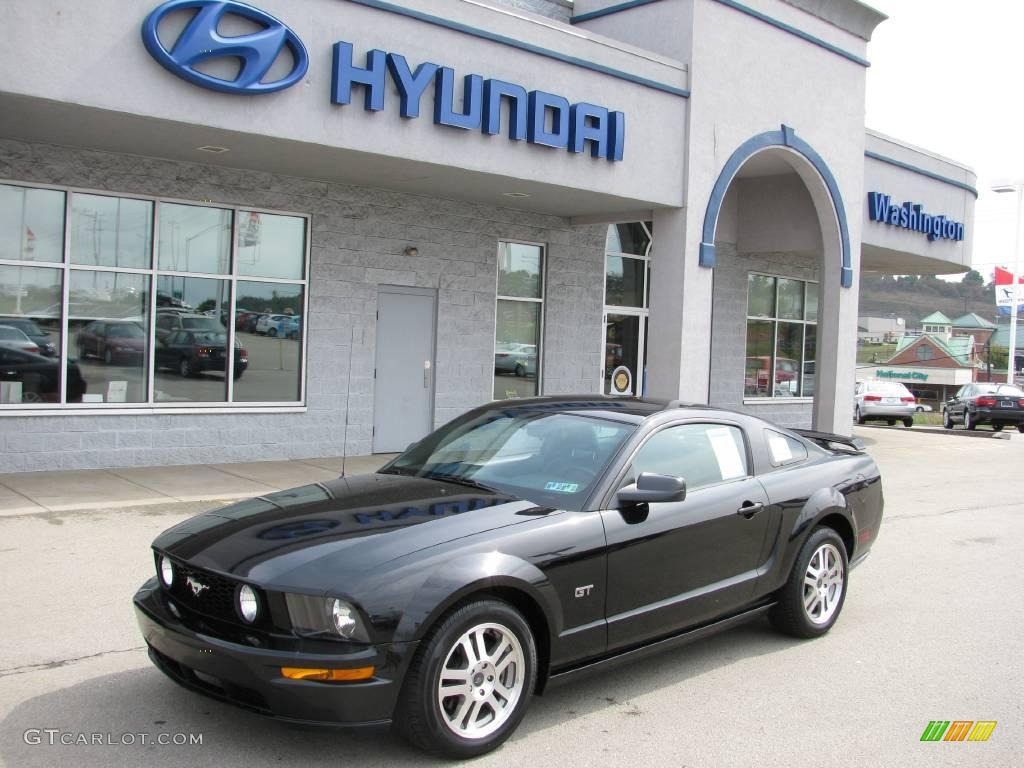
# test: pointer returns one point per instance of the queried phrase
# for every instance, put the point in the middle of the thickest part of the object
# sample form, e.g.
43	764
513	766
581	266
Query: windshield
210	338
551	459
200	323
131	331
11	334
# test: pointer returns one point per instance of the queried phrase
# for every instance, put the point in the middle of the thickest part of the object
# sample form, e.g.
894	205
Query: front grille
217	600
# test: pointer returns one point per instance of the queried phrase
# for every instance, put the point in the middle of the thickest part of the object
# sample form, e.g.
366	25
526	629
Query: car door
677	564
955	406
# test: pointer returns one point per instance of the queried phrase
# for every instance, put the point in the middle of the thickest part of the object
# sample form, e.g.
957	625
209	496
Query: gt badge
196	586
584	591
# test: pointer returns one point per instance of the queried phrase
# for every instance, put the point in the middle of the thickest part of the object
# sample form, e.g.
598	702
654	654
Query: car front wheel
810	602
471	681
947	420
185	369
908	423
997	427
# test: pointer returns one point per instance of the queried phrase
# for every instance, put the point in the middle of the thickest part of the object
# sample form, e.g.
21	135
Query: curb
987	434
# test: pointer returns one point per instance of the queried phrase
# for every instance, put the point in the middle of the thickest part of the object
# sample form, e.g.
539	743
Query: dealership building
309	228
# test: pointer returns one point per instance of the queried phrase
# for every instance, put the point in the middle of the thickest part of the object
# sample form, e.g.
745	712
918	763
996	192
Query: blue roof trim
455	26
794	31
921	171
610	10
785	137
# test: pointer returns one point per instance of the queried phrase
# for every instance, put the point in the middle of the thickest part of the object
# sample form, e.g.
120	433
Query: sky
946	75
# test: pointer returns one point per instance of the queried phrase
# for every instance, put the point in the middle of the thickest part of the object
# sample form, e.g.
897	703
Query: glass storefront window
194	239
268	327
31	224
111	231
270	245
190	358
520	269
30	322
108	330
781	337
633	238
624	281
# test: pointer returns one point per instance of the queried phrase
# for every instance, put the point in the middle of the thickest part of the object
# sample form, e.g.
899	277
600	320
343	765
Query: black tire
789	615
272	332
520	370
185	369
968	421
420	717
908	423
947	420
1020	428
858	416
997	427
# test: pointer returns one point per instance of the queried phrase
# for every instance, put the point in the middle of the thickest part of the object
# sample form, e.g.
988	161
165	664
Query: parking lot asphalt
930	631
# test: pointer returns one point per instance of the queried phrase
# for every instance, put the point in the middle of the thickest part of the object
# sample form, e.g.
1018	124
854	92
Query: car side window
784	450
701	454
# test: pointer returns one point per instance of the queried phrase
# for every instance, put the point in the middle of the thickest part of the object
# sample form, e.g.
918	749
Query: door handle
750	508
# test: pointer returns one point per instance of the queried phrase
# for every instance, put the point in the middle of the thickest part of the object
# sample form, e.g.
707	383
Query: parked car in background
31	328
923	408
113	341
517	358
271	325
39	376
1001	405
190	353
292	327
12	337
245	321
169	321
889	401
520	544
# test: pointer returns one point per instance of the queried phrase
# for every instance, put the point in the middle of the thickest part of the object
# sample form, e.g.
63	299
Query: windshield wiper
459	480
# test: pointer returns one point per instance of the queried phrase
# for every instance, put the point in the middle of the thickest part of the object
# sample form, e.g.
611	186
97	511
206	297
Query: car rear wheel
997	427
810	602
470	682
1020	428
185	369
520	370
968	421
272	332
947	420
908	423
858	416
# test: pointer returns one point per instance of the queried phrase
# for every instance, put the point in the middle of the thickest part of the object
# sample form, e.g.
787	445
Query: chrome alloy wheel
823	584
481	681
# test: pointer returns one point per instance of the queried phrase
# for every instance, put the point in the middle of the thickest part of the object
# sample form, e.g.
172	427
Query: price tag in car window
727	453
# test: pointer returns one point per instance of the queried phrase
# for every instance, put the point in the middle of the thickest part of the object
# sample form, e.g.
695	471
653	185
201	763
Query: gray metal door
404	389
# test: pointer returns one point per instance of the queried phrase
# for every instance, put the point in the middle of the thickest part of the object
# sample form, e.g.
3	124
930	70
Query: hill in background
913	297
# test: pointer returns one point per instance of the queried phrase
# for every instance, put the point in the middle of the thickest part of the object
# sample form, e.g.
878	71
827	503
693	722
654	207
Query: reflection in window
30	301
517	336
274	345
633	238
31	224
781	337
701	454
624	281
270	245
190	358
194	239
108	330
111	231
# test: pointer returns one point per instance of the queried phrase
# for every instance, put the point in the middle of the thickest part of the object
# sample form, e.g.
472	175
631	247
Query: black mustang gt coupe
523	544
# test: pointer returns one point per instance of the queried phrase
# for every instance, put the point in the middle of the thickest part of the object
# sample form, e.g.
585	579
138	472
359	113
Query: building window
782	316
518	327
627	290
148	302
925	352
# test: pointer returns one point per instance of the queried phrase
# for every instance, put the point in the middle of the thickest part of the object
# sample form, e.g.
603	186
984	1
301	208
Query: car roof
633	410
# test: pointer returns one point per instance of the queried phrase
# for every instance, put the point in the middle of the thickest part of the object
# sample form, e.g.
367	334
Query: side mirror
652	488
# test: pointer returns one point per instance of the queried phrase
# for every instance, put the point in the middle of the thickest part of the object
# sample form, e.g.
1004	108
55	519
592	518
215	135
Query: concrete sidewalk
24	493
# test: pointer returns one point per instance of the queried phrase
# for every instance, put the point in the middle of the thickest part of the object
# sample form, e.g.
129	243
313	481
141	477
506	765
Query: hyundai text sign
912	216
535	116
200	41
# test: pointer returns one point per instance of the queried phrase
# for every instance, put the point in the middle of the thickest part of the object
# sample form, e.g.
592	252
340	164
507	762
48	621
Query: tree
973	277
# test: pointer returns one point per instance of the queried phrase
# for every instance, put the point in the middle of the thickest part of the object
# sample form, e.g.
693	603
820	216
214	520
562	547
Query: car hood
309	535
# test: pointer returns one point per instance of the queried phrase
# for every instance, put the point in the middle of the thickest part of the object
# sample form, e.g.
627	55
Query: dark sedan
190	353
36	378
522	545
113	341
1001	405
30	328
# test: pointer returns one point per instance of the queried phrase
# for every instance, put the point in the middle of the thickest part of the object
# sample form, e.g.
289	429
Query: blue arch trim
785	137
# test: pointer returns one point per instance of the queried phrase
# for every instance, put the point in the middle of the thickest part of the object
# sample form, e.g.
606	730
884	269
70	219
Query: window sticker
562	487
727	453
779	448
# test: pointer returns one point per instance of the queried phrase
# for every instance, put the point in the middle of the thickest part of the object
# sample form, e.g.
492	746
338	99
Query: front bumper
250	677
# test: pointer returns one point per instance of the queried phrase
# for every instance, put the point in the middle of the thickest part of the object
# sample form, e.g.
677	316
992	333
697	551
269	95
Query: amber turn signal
328	675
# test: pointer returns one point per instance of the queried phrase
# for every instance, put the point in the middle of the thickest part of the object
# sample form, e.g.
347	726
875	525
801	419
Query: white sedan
12	337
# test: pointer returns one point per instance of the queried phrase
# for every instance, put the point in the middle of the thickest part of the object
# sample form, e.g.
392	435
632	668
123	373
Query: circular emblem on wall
200	42
622	381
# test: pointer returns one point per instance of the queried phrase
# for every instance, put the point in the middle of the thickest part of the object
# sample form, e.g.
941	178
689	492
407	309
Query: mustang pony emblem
196	586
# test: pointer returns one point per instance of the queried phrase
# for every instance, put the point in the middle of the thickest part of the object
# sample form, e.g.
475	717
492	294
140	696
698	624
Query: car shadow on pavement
123	706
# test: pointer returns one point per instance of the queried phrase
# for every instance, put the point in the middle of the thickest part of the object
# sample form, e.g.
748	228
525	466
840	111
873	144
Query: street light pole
1011	365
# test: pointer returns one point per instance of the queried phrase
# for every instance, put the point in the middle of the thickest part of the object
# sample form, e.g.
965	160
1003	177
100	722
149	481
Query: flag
1004	292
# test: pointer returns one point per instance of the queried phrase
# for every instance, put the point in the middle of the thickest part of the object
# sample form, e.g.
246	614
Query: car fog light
248	605
166	571
344	618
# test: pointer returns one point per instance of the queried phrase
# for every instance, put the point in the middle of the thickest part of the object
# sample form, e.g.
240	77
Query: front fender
451	581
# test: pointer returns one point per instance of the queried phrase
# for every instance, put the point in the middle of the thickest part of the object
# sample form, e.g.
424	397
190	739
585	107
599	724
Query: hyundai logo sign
200	42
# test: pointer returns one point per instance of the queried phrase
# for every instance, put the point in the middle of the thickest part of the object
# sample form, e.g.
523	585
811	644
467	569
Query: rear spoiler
831	441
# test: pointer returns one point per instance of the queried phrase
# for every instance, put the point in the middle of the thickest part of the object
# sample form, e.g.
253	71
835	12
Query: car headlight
248	603
328	617
166	571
